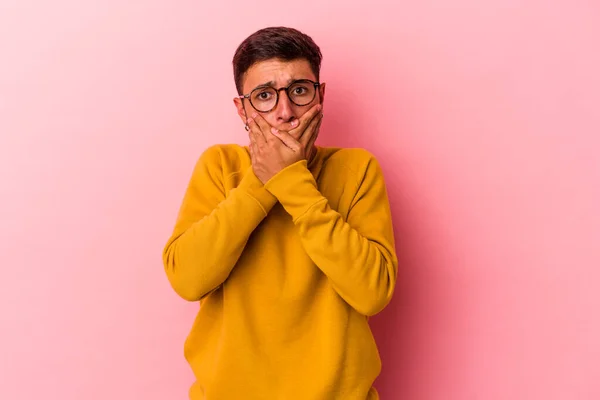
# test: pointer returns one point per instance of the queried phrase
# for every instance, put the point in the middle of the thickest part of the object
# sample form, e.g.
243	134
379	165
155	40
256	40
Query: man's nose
284	110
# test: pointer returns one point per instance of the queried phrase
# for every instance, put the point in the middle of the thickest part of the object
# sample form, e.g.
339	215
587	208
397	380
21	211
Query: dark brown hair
275	42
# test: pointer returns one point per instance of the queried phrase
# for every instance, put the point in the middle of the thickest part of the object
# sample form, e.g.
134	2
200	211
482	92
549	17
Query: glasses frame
286	89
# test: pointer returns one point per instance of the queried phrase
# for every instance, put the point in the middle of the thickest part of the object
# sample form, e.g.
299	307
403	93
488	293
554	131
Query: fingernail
319	107
294	123
250	120
274	130
254	115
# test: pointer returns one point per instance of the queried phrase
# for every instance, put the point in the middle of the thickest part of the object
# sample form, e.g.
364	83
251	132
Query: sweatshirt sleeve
357	255
212	229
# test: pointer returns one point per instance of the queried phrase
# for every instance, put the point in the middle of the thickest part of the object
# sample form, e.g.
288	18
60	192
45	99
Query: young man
288	246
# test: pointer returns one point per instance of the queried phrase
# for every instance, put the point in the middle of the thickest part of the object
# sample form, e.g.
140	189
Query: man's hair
282	43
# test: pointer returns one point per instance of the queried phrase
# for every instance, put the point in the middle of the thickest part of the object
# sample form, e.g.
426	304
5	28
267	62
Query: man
288	246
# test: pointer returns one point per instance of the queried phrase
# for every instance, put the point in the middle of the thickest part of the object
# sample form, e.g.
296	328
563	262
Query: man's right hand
272	150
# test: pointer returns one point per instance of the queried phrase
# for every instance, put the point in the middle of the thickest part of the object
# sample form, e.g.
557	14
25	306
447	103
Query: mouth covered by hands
273	149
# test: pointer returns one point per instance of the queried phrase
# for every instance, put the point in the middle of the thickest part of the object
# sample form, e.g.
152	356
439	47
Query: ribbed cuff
252	186
295	188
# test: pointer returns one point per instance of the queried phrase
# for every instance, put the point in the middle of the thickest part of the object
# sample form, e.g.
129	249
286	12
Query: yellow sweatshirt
286	273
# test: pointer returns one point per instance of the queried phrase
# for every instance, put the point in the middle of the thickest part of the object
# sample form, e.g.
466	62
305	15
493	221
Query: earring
246	127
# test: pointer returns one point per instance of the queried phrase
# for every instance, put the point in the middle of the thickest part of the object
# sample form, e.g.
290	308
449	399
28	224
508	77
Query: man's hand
272	150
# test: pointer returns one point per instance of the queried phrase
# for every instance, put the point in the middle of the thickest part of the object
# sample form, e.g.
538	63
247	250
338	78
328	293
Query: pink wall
484	116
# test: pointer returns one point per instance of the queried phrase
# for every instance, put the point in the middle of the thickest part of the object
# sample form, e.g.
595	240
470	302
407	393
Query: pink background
484	115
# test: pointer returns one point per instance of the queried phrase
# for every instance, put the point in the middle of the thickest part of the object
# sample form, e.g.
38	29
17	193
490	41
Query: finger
288	126
255	133
306	119
287	139
263	125
311	129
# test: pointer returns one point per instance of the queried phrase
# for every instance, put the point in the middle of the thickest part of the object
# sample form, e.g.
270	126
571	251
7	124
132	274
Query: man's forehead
277	72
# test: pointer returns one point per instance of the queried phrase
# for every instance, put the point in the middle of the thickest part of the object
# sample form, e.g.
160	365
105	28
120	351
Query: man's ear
239	105
322	92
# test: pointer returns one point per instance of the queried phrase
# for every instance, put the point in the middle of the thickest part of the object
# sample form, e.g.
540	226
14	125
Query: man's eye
300	90
263	96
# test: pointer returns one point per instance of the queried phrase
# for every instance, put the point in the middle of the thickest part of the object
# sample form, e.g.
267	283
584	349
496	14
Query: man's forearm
200	255
361	264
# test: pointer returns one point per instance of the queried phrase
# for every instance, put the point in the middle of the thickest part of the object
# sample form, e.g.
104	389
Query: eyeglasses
265	98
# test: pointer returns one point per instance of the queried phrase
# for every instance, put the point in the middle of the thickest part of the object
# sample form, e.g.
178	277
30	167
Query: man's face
278	74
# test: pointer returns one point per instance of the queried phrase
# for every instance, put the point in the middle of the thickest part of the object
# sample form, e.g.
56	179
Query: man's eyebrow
272	83
266	84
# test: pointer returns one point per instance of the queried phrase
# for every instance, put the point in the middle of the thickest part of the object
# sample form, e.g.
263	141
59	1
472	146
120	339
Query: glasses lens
263	99
302	92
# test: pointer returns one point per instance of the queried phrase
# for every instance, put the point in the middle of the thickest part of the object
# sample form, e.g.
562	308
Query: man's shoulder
224	151
351	154
355	159
225	157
